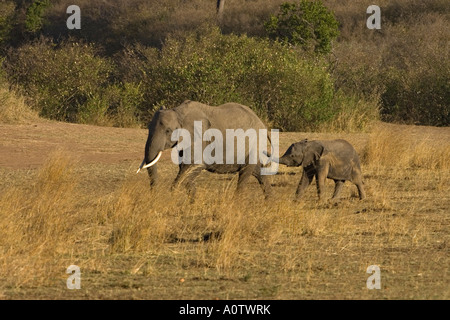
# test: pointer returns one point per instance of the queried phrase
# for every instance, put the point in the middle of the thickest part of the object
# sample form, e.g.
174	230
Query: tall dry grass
400	149
52	223
13	108
39	224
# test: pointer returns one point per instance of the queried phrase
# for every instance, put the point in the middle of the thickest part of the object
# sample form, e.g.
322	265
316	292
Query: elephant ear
189	120
313	151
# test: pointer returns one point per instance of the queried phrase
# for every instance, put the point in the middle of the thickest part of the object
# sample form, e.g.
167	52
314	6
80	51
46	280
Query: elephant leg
305	181
244	174
357	180
321	177
263	182
180	176
153	175
187	174
338	184
360	185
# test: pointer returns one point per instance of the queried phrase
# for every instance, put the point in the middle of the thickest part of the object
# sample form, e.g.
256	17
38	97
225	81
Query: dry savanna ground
69	195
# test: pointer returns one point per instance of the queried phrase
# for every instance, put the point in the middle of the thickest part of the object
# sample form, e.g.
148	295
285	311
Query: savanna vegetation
69	194
133	242
300	65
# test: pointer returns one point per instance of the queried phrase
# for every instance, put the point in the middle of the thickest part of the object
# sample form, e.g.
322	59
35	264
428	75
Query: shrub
306	23
115	105
405	66
283	87
354	113
417	84
67	82
58	79
6	20
34	20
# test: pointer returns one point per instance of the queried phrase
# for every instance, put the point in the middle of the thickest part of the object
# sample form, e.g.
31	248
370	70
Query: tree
34	17
306	23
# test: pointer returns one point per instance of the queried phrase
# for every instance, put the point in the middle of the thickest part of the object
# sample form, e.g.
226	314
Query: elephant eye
168	130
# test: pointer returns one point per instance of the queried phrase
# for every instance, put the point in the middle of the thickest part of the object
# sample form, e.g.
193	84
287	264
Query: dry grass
38	223
134	243
13	108
398	149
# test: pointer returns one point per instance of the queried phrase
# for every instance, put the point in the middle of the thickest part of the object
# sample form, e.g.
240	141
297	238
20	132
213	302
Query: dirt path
26	146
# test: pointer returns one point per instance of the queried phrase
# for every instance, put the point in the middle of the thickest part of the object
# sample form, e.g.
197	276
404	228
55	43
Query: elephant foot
335	200
297	200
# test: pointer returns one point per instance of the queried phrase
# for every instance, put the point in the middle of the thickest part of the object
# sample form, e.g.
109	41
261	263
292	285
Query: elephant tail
268	153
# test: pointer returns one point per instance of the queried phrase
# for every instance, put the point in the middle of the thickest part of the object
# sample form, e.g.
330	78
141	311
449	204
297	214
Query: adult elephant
221	118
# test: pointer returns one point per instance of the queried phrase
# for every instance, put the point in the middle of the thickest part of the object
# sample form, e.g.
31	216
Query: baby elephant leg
338	184
360	186
357	180
305	181
321	177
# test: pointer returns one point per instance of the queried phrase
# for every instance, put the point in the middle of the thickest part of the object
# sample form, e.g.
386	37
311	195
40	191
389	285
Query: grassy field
133	243
69	193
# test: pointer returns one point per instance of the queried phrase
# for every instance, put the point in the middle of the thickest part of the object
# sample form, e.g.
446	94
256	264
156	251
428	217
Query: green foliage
71	82
419	98
283	87
354	113
404	67
6	20
306	23
59	81
409	71
114	105
35	15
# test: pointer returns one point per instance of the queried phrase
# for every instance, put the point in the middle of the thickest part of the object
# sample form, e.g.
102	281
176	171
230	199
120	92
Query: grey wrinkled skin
322	159
226	116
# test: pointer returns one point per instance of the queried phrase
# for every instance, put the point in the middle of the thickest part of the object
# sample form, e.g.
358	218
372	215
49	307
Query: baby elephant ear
313	152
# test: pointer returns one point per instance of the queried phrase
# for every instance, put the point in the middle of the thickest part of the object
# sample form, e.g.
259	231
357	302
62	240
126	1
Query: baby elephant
333	159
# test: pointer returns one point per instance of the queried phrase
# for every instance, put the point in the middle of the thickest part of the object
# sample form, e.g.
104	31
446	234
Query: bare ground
26	146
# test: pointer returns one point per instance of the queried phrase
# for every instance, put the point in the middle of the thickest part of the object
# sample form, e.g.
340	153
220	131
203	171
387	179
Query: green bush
283	87
34	20
114	105
6	20
306	23
71	82
419	97
58	80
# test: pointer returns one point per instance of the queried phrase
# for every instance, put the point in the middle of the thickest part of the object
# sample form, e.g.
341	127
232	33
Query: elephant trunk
282	160
152	154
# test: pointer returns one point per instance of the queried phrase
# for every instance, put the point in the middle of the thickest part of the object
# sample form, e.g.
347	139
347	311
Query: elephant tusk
140	167
153	162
